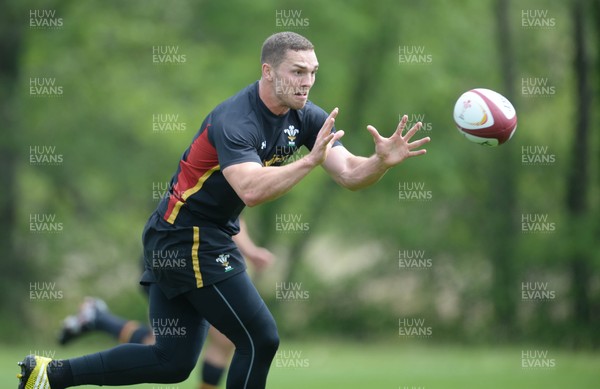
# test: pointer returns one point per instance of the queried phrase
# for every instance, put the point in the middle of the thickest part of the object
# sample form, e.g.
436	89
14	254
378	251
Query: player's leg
217	355
179	331
94	315
236	309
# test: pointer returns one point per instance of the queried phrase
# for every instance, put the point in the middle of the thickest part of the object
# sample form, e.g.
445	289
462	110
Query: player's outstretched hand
395	149
325	139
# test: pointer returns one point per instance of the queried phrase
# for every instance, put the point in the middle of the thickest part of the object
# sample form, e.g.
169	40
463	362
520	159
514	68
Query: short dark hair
274	49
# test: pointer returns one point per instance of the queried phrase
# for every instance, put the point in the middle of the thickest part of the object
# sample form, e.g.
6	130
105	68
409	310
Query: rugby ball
484	116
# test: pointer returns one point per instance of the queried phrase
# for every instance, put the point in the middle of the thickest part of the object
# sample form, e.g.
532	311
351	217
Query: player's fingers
327	126
323	142
418	143
325	135
417	152
332	137
338	134
334	112
329	122
413	130
401	125
374	133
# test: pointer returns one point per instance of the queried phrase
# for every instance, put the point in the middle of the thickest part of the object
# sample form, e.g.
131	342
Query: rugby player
235	160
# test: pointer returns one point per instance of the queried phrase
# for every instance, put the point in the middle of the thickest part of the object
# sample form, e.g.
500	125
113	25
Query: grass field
349	365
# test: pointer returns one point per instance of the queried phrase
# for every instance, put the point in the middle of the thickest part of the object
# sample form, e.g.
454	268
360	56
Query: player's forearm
268	183
361	172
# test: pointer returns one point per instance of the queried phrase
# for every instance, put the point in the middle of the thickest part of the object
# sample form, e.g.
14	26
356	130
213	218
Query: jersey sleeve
313	119
235	141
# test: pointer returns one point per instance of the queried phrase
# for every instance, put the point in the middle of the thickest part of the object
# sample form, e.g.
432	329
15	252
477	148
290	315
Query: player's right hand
325	139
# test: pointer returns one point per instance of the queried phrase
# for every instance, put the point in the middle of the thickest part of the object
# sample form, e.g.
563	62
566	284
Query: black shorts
180	259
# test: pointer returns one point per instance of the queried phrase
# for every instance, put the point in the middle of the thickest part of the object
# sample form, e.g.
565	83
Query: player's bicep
240	175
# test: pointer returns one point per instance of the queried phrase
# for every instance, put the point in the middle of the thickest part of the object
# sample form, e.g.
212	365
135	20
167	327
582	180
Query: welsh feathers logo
291	132
223	259
467	105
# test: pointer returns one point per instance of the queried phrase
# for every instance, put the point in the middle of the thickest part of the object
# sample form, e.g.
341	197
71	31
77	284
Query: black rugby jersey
241	129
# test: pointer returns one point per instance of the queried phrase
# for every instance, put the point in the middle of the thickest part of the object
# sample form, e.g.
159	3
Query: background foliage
348	261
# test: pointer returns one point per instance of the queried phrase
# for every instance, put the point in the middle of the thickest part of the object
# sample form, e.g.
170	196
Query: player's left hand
395	149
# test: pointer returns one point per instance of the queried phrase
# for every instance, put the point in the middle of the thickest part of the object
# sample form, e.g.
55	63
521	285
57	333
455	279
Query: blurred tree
503	192
578	180
15	268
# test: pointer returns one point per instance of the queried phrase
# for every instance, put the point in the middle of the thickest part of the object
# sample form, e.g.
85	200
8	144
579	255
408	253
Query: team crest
291	132
223	259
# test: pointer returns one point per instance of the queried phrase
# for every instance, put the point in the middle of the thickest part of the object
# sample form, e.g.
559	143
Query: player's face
294	77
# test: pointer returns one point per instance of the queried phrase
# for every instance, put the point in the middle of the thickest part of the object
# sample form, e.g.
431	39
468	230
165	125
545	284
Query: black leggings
232	306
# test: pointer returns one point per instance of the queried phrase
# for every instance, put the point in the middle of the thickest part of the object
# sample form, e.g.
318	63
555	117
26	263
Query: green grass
394	365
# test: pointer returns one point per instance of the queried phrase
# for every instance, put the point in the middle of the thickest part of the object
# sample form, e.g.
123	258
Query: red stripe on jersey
199	164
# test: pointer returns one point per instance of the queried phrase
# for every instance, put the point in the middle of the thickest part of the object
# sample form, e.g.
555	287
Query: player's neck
267	96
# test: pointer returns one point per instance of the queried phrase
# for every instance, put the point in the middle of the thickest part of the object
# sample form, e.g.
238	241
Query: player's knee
267	337
179	372
176	367
180	375
269	343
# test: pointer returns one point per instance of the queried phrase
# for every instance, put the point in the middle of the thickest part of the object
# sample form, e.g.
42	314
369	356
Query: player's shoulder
240	104
234	120
237	111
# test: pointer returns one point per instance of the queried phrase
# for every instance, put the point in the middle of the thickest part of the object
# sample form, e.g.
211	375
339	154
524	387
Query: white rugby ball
485	117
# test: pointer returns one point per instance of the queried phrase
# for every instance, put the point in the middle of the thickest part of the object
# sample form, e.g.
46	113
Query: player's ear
267	72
